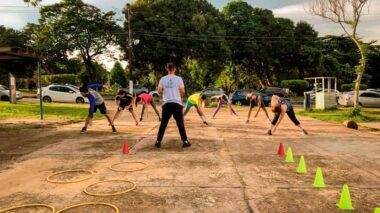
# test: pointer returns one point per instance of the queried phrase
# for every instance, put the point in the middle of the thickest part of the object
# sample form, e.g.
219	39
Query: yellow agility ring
91	204
109	194
128	170
70	181
29	205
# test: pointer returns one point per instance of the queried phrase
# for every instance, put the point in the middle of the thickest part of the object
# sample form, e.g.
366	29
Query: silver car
4	93
366	99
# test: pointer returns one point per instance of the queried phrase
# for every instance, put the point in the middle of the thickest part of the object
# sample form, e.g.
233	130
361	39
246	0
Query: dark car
239	97
269	91
212	92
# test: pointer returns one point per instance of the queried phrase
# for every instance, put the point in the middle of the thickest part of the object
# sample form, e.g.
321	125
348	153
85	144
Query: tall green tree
74	27
118	75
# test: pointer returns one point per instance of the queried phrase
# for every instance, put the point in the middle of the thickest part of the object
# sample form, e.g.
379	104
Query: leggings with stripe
220	103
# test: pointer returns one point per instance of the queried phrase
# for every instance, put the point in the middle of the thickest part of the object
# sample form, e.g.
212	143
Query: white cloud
369	28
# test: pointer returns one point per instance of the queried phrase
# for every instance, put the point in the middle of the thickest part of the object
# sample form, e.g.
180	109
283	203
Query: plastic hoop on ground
109	194
128	170
91	204
48	179
29	205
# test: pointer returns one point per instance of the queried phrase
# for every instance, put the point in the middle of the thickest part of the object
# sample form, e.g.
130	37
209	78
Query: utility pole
130	44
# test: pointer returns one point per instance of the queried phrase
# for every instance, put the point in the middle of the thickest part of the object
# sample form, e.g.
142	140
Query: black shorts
124	103
102	108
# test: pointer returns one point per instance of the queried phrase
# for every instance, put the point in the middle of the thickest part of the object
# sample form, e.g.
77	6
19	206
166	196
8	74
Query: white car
312	94
4	93
62	93
366	99
154	93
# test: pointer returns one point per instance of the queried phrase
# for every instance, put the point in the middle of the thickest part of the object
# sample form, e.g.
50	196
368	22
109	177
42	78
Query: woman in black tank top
256	100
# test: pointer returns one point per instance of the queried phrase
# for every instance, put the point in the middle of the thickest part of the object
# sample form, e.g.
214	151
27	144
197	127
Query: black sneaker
205	122
305	132
84	129
113	129
158	144
186	144
269	132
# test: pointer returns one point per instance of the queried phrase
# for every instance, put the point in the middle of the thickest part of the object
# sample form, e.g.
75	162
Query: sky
15	14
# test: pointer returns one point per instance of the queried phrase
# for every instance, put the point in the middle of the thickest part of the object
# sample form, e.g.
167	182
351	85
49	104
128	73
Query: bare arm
182	90
160	89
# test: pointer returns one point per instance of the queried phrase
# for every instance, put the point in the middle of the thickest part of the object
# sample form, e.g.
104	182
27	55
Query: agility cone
125	148
345	199
377	210
281	151
289	156
318	181
302	166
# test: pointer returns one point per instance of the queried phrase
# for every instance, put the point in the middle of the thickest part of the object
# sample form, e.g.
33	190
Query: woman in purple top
96	102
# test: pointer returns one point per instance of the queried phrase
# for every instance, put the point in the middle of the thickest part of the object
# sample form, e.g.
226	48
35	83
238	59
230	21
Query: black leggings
168	110
291	115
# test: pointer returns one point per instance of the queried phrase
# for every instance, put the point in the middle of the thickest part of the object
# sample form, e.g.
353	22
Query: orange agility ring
109	194
91	174
29	205
91	204
128	170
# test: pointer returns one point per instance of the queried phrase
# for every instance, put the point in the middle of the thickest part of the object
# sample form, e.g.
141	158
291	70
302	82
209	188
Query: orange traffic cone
281	151
126	148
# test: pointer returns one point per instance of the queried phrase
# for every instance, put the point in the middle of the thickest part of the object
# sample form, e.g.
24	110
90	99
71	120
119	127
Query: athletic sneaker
141	119
269	132
84	129
186	144
205	122
305	132
158	144
247	121
113	129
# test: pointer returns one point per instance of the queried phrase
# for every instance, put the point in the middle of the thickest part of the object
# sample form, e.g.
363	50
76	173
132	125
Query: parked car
269	91
239	97
137	89
366	99
374	90
4	93
312	94
154	93
62	93
212	92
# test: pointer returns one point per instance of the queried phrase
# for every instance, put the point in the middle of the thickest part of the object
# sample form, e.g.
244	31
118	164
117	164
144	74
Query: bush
349	87
296	86
356	111
60	78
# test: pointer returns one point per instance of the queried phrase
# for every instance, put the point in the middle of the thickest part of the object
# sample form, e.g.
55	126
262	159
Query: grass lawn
342	114
51	111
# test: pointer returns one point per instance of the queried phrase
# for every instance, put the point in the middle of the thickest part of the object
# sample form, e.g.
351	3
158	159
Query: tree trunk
91	71
359	70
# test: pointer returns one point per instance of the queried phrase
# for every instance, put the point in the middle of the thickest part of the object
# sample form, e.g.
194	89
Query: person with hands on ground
256	100
146	99
172	88
280	107
223	99
124	100
196	100
96	102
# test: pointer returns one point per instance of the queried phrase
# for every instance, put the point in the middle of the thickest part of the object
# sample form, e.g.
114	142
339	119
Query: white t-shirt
171	85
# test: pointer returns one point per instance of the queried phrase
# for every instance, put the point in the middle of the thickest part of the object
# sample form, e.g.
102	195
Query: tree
34	3
346	13
73	27
118	75
174	30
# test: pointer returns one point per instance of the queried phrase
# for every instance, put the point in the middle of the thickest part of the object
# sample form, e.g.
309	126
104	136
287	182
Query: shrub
356	111
296	86
60	79
349	87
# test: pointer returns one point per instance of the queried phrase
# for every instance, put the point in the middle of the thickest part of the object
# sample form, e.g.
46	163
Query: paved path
231	167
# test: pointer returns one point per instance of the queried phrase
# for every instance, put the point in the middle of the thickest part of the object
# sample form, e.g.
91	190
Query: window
66	89
56	89
368	95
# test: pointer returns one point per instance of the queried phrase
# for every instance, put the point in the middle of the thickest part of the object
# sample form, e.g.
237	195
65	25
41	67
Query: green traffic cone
377	210
302	166
345	199
318	180
289	156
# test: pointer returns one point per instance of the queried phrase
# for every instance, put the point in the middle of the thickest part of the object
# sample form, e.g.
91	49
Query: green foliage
356	111
350	87
60	78
296	86
118	75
